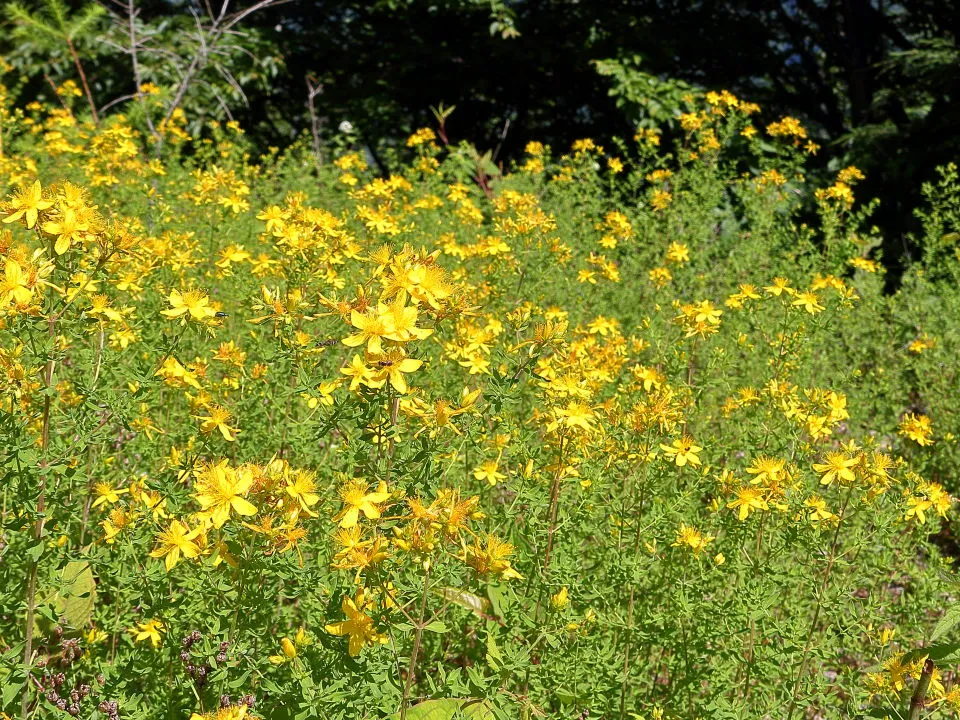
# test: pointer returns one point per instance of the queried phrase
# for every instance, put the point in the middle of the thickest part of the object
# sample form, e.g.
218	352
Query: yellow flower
660	200
149	630
779	286
678	253
837	467
765	469
897	672
692	538
808	301
177	375
939	498
68	228
924	342
421	136
193	304
403	317
233	712
16	283
574	415
476	364
683	451
217	419
850	175
116	521
356	499
394	322
220	489
107	494
787	127
560	599
534	148
288	650
489	471
818	509
490	558
391	366
360	374
918	428
865	264
175	540
358	626
916	508
27	203
660	276
301	486
748	499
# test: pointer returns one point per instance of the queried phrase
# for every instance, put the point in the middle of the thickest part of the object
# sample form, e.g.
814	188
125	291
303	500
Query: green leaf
480	606
448	709
494	656
10	690
941	652
35	551
78	592
947	623
437	626
70	602
495	593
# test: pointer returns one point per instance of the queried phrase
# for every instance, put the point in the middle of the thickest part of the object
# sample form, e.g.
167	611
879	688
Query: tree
53	28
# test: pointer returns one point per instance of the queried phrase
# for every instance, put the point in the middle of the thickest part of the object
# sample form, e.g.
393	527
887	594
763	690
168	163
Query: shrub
611	434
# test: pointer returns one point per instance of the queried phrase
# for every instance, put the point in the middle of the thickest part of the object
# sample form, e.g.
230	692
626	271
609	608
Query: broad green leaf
941	652
78	591
947	623
448	709
73	599
474	603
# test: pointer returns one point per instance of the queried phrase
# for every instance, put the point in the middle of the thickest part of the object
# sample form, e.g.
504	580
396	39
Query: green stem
920	692
417	638
816	614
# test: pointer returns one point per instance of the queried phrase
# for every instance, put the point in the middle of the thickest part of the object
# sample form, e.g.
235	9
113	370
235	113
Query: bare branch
132	13
117	101
209	40
250	10
219	99
314	89
232	82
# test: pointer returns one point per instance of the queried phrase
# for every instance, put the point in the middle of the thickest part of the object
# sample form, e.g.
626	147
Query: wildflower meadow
629	430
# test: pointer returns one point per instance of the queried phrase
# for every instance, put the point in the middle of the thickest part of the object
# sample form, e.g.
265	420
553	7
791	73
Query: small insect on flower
683	451
189	305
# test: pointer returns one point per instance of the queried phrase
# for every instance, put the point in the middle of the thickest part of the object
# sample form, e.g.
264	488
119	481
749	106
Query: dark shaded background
876	81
